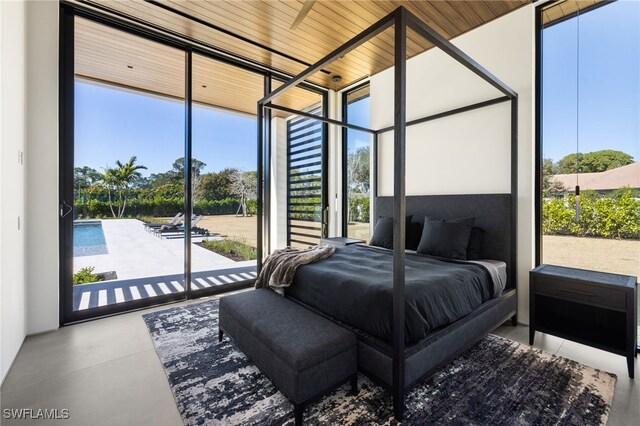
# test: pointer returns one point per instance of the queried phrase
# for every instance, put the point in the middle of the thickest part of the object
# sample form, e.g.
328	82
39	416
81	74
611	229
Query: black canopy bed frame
497	212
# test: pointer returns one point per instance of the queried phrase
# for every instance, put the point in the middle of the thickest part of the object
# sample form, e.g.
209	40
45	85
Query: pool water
88	239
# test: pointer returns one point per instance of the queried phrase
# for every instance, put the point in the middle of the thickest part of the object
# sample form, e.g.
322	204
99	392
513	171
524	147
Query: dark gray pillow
414	233
475	243
448	238
445	239
383	232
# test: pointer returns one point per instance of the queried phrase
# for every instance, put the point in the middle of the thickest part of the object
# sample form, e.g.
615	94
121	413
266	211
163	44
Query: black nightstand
593	308
340	241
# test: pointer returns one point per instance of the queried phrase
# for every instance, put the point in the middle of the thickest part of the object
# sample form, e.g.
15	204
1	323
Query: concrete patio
148	266
135	253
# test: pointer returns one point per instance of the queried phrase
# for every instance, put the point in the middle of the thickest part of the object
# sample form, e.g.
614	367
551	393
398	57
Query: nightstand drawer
582	292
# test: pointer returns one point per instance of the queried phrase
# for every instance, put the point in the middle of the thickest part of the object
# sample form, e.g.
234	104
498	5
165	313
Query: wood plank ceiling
328	25
556	11
109	56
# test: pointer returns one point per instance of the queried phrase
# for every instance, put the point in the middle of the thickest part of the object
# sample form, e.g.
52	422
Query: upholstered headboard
492	213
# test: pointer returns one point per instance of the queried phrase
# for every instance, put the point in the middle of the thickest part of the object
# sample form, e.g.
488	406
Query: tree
592	162
244	185
358	170
171	182
357	178
215	186
550	187
196	167
84	177
119	180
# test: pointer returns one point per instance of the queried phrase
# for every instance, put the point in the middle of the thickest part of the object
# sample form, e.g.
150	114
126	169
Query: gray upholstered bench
302	353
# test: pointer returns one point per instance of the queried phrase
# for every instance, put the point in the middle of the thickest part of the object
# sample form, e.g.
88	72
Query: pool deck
136	253
148	266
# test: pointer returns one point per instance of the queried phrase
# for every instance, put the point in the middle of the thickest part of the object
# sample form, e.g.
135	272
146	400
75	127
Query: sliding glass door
224	176
158	167
123	217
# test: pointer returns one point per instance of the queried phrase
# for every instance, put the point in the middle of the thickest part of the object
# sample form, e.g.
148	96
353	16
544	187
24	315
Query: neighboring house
603	182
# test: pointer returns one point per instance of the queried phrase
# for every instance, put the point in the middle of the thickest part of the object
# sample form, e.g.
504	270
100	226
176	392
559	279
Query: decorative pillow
414	233
475	243
383	232
448	238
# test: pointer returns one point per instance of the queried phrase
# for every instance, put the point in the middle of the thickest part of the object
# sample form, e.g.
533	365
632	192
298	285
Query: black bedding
355	286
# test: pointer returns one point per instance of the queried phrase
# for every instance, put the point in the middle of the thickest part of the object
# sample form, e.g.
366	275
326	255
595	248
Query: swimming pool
88	238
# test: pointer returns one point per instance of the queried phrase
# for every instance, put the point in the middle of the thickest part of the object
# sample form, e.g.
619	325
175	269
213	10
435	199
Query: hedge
614	216
161	206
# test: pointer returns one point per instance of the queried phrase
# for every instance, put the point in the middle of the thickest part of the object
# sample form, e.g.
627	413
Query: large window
356	165
589	138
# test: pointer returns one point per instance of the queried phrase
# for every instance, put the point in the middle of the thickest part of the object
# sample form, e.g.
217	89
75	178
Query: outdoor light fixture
336	79
130	67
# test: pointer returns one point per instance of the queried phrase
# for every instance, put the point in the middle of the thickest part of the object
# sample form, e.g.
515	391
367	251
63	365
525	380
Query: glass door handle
64	206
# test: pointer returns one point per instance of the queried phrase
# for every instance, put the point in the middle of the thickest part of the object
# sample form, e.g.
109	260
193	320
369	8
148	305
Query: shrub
159	206
614	216
85	276
359	208
232	248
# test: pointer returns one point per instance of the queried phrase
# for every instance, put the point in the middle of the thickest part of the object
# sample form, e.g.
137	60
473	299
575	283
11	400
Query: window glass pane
358	176
591	137
224	179
128	188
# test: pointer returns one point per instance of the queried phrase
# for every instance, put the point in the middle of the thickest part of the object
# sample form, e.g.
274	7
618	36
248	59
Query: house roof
625	176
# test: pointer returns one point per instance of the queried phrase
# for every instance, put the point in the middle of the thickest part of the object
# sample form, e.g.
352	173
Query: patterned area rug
497	382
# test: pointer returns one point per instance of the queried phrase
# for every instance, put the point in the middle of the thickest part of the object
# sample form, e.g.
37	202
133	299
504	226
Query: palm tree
119	180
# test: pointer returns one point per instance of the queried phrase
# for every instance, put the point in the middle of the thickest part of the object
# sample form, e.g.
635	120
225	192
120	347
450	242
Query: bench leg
514	320
220	334
354	384
298	411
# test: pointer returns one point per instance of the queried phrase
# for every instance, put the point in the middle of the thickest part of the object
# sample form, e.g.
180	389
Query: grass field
608	255
240	228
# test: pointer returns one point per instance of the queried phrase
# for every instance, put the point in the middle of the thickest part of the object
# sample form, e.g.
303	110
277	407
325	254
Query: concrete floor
106	372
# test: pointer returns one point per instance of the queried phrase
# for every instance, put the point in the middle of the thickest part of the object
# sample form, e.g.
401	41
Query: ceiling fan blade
306	7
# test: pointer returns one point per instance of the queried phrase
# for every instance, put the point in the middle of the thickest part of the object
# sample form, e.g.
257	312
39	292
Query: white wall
12	182
278	213
334	169
42	169
468	153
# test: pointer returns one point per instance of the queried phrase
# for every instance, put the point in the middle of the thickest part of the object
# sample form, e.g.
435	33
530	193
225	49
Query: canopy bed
406	350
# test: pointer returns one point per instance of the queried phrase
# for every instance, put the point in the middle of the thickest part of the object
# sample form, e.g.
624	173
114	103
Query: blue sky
358	114
609	95
114	125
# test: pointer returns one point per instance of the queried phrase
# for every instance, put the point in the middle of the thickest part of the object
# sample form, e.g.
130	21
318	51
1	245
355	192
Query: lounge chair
178	230
174	221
